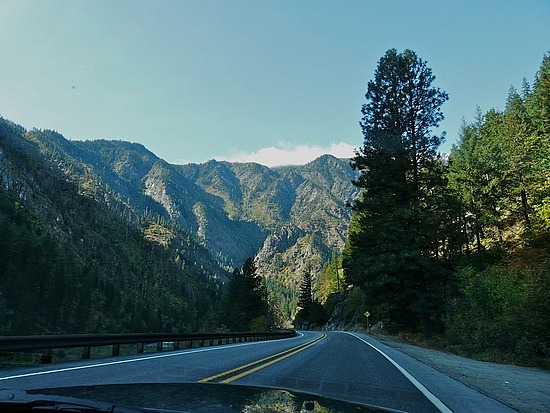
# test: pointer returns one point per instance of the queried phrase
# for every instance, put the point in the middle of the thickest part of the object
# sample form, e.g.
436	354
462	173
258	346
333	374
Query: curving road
338	365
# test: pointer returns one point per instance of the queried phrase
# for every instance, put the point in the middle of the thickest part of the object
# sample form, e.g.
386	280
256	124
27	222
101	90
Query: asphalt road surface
338	365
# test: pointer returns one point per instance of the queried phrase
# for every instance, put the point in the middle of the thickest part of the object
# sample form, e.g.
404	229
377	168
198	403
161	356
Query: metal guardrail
47	343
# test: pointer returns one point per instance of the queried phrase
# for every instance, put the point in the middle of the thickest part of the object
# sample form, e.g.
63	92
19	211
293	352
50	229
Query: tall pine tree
306	294
310	311
391	240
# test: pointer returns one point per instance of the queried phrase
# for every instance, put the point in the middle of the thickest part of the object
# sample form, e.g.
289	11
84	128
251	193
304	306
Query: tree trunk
524	208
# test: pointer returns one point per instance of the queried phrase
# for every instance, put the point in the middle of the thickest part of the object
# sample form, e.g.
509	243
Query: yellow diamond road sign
367	313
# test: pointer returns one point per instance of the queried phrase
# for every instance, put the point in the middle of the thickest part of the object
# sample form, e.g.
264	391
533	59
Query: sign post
367	314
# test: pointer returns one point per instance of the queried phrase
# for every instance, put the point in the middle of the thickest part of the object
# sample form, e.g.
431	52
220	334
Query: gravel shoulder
525	389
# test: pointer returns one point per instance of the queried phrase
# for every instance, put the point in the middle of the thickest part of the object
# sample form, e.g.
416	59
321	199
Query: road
338	365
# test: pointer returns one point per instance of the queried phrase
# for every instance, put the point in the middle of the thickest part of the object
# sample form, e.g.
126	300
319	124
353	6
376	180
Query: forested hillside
455	248
74	257
499	175
197	217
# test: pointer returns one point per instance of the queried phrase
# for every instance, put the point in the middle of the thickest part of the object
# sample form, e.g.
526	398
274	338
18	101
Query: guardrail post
140	348
116	350
86	352
46	356
176	345
159	346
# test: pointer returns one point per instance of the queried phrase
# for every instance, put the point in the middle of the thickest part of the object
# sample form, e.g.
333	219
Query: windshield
278	205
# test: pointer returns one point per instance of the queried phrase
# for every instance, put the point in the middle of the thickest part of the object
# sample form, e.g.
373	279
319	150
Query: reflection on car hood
206	398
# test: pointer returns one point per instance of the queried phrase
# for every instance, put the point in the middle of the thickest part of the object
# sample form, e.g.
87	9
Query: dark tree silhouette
391	235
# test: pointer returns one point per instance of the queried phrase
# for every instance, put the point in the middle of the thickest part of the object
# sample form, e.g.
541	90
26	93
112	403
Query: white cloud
287	154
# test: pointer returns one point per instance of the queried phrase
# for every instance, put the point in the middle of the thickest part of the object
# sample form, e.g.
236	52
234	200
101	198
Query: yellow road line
267	361
226	373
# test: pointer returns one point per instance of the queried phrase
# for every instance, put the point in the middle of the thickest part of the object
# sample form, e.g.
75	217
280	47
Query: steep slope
74	257
138	184
288	218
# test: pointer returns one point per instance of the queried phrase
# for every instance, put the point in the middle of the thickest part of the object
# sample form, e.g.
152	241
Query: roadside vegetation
452	248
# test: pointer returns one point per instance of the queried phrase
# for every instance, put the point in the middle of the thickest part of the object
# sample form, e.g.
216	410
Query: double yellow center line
242	371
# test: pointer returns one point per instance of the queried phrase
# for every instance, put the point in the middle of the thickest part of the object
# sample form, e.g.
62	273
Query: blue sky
275	82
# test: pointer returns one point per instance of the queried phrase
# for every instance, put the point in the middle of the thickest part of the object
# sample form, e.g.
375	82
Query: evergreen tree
518	146
245	303
233	315
306	295
255	300
391	237
310	311
538	101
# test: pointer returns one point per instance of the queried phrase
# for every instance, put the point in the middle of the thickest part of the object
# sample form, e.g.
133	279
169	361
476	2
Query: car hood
193	397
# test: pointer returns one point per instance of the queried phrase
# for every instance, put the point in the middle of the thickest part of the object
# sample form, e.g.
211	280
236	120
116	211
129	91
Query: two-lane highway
334	364
343	367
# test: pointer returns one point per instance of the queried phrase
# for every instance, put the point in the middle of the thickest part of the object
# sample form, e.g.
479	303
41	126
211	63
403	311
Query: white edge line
134	360
429	395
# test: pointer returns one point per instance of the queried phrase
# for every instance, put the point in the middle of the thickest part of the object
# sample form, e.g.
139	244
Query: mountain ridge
288	217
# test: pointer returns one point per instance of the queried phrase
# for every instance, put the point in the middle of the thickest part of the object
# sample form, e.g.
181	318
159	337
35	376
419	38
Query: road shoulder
524	389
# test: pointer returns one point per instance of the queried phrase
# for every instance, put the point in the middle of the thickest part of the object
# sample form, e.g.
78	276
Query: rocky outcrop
302	209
